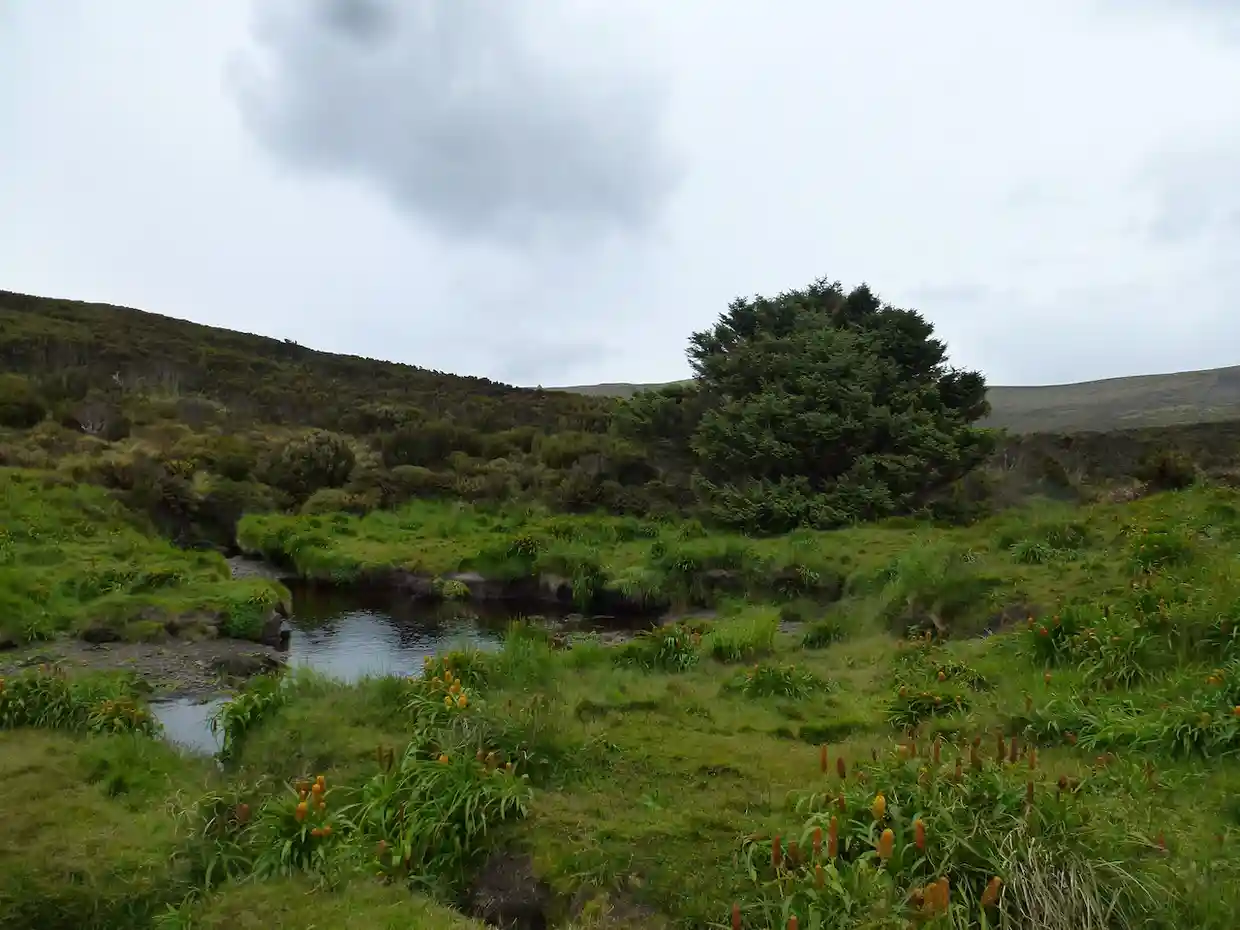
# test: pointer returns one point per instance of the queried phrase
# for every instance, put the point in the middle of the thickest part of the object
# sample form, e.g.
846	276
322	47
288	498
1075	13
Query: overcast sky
561	191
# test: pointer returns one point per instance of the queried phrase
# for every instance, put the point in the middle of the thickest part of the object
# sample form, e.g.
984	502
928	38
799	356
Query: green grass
294	903
1084	751
72	558
892	574
88	839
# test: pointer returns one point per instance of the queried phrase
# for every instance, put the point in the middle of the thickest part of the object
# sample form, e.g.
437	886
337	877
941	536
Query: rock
408	584
193	625
99	633
506	893
273	632
245	664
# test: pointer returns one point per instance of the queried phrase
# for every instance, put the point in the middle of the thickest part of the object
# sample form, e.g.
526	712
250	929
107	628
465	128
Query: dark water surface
349	635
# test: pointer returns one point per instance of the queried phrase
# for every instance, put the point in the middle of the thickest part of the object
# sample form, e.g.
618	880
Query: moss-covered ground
72	559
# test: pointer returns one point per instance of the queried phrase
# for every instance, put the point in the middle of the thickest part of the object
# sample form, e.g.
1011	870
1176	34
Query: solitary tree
822	407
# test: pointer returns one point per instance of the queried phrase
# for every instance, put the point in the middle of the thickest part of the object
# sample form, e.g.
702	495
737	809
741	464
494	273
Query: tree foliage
821	407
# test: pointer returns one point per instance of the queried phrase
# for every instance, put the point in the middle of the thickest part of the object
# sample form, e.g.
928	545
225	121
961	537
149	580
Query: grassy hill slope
1114	403
73	347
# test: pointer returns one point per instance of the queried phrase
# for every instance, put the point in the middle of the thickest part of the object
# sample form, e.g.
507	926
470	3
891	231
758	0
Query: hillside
72	348
1115	403
195	425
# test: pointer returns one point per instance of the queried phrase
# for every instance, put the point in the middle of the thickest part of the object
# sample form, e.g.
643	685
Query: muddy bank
171	670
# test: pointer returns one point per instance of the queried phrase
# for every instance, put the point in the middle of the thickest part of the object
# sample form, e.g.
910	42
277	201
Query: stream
348	635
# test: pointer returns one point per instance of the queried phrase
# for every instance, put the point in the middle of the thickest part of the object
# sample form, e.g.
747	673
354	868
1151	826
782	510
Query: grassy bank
73	560
1075	769
899	573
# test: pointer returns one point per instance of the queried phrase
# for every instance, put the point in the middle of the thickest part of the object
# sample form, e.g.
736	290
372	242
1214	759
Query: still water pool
348	635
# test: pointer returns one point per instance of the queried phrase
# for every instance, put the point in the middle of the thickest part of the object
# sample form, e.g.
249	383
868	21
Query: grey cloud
1196	195
446	108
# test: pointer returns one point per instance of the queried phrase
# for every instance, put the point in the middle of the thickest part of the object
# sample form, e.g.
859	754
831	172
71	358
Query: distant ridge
1114	403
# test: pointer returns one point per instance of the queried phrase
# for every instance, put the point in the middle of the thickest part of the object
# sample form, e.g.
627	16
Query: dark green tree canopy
821	407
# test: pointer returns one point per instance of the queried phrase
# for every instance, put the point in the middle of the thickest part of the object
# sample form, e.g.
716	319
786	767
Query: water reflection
349	635
187	723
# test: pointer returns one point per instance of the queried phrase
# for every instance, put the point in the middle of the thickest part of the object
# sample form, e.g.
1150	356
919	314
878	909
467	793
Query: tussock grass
72	557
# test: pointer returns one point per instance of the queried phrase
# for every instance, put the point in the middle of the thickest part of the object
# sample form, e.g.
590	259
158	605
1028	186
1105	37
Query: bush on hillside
20	405
822	408
314	460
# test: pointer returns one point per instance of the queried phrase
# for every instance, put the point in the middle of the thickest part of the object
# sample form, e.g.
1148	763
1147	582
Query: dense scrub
195	426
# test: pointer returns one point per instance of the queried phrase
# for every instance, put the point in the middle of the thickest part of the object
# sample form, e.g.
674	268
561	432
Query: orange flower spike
320	780
823	759
945	894
886	844
777	856
820	877
794	853
443	758
1033	759
316	789
736	917
327	829
792	923
990	897
833	838
938	750
919	834
300	812
841	768
242	813
1013	751
817	842
1029	793
959	774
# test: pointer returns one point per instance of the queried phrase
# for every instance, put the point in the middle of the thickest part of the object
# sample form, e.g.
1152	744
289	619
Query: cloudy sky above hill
560	191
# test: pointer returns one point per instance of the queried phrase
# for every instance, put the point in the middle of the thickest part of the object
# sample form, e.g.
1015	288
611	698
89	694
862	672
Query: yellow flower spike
886	844
455	687
447	700
879	807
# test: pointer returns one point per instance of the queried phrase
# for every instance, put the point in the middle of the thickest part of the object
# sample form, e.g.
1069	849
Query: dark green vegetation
1084	753
1137	402
195	426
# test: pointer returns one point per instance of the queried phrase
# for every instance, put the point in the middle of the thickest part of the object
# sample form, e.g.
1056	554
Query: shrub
745	638
20	405
1168	470
669	649
786	681
47	698
314	460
